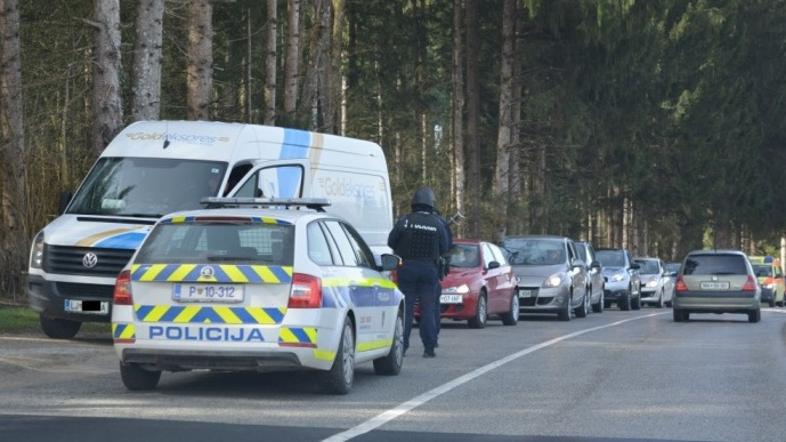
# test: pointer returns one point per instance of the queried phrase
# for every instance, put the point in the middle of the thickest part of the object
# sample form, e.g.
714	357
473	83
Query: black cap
424	196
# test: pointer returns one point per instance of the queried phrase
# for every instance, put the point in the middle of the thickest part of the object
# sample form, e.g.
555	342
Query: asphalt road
716	378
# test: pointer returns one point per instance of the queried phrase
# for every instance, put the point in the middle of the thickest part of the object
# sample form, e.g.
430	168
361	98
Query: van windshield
147	187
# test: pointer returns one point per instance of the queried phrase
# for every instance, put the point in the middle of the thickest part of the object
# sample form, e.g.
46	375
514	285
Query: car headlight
552	281
461	290
652	284
37	251
617	277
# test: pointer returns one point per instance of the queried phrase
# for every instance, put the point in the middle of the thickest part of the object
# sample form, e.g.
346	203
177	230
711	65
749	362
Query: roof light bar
214	202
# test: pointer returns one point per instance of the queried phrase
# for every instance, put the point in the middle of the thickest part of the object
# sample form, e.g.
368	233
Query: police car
248	285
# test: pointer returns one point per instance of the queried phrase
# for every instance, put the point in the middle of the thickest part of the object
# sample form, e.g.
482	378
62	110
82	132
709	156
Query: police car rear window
219	242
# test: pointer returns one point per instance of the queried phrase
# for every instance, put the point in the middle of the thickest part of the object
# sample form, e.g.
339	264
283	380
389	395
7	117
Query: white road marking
772	310
387	416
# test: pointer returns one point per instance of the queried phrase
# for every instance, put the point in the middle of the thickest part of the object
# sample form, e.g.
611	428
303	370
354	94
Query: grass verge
24	321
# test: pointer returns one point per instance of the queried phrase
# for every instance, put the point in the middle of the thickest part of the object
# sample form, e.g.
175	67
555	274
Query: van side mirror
595	265
62	203
635	266
494	265
390	262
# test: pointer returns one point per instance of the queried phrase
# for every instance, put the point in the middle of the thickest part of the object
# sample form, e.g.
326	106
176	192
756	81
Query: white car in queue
248	285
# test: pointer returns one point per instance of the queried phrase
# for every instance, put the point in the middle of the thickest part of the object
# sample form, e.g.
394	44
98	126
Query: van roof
219	141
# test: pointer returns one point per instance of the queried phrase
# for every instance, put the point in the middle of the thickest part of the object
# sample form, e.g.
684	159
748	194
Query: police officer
420	238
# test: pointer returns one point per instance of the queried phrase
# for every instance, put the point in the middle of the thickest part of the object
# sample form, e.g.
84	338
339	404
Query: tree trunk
107	103
501	185
270	62
12	145
291	69
337	72
514	168
458	107
147	60
200	60
473	115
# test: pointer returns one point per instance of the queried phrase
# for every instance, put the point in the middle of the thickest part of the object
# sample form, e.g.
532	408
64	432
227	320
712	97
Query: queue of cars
286	266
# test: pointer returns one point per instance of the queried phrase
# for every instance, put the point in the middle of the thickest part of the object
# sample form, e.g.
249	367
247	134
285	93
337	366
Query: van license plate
207	293
451	299
86	307
714	285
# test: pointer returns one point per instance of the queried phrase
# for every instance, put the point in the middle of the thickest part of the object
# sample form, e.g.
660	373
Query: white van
157	167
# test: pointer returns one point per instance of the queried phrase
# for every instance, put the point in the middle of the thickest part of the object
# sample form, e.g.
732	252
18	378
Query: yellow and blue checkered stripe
250	220
298	336
123	331
221	273
194	314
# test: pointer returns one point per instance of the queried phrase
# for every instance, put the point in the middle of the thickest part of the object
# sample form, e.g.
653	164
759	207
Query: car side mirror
494	265
635	266
595	265
390	262
62	203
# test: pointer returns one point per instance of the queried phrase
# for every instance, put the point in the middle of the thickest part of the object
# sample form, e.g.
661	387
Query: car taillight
306	291
122	293
750	285
680	286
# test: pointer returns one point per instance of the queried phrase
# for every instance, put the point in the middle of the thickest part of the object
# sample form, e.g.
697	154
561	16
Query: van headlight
461	290
37	251
652	284
617	277
553	281
770	286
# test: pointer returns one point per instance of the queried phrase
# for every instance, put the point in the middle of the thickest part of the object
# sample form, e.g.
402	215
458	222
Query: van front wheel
59	328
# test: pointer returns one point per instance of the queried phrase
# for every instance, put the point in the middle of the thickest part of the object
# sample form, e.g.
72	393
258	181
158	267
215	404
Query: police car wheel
341	376
137	378
59	328
390	365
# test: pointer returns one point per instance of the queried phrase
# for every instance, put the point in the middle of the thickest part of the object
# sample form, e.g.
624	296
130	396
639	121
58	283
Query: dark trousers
416	279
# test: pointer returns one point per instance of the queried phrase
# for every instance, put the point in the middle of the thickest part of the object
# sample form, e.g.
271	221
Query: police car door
362	285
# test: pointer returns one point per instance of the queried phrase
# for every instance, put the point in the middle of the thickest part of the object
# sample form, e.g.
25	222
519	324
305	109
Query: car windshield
715	265
219	243
147	187
673	267
464	255
611	258
535	252
648	267
581	251
763	270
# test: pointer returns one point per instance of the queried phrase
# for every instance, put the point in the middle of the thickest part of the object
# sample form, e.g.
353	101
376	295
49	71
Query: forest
657	125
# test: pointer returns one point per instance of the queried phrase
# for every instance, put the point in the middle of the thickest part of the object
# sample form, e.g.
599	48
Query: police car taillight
122	294
306	291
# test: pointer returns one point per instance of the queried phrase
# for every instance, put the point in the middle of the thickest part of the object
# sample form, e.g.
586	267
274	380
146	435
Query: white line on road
387	416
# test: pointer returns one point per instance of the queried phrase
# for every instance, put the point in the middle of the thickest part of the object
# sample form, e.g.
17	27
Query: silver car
717	281
622	278
656	284
552	276
594	274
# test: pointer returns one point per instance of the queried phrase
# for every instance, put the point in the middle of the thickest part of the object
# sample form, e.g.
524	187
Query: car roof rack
215	202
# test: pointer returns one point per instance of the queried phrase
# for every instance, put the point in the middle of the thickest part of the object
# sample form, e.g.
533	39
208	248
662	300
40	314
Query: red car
480	284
